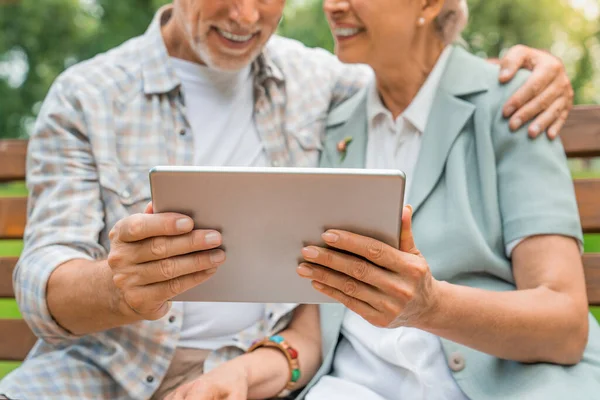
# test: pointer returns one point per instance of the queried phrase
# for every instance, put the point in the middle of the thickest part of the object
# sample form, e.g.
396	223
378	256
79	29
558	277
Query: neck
176	40
400	77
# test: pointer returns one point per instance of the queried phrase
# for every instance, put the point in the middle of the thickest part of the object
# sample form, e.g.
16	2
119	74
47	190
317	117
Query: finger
149	209
556	127
143	226
165	291
538	81
161	247
345	284
359	307
182	392
513	60
407	240
373	250
535	107
548	117
357	268
168	268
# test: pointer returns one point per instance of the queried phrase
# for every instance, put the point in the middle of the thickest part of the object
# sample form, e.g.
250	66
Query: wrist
431	319
282	362
117	304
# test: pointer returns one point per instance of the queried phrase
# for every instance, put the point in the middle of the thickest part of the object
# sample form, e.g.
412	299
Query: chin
349	58
219	60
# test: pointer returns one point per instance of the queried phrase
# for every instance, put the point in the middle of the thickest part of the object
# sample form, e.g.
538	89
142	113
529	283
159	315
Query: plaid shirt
103	125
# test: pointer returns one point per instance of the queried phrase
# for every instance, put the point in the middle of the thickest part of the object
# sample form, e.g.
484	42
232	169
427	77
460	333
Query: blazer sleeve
536	192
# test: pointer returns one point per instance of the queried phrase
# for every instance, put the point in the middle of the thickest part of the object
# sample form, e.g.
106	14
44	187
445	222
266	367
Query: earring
421	21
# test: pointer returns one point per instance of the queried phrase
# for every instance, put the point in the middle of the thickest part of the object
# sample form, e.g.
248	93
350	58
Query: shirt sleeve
64	206
536	192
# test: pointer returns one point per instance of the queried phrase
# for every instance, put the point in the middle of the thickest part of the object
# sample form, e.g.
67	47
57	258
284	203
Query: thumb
407	241
513	60
149	209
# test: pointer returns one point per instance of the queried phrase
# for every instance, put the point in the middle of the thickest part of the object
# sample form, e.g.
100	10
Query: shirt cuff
31	280
510	247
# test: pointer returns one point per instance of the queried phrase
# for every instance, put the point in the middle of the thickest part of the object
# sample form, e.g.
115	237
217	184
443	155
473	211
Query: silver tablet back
266	216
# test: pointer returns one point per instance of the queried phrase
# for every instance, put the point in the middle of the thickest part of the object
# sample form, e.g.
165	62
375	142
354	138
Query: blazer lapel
448	117
449	114
348	121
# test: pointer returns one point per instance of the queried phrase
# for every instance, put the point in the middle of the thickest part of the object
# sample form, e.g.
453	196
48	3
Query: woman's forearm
267	368
534	325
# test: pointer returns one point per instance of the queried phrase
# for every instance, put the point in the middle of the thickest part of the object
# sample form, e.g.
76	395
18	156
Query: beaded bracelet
290	353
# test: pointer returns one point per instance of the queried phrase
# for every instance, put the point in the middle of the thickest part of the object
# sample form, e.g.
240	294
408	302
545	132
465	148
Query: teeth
346	31
235	38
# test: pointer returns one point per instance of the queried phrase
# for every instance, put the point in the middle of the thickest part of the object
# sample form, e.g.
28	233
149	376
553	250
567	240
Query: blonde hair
452	20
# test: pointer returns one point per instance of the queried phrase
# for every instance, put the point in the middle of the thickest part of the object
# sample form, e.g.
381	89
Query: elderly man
207	84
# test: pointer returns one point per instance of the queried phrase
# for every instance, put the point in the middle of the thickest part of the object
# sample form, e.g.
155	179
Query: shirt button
182	132
149	379
172	319
126	194
456	362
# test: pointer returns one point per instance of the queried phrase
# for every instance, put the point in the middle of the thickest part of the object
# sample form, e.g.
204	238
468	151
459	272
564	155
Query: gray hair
452	20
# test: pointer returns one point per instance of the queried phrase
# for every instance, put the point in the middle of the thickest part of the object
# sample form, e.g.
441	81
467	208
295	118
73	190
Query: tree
41	38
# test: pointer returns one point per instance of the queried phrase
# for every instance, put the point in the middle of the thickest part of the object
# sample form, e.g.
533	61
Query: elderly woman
488	301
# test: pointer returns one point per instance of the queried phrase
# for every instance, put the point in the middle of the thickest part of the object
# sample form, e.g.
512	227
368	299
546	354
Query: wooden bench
581	138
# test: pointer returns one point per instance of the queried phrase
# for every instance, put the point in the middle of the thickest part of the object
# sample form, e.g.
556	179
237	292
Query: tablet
267	215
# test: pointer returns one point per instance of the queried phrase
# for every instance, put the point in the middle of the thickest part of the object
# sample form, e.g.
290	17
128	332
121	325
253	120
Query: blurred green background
40	38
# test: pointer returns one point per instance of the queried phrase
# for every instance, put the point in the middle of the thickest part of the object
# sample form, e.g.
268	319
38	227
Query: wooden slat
13	154
581	133
7	265
588	201
591	263
16	339
13	214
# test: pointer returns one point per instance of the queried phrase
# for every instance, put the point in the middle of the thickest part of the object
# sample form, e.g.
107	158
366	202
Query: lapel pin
342	147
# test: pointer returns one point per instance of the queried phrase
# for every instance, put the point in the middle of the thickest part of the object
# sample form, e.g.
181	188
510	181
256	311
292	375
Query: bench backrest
581	138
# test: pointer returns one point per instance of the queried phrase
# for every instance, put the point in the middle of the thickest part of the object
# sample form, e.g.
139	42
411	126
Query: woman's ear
431	9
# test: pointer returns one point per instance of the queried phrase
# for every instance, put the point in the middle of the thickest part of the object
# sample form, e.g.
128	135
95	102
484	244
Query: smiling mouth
236	38
347	32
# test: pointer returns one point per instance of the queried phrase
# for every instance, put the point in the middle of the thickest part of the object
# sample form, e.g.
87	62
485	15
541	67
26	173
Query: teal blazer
477	186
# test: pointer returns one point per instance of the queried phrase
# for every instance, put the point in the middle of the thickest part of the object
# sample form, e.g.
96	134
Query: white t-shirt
220	111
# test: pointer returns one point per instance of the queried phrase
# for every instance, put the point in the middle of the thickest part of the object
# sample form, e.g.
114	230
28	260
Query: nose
245	12
336	7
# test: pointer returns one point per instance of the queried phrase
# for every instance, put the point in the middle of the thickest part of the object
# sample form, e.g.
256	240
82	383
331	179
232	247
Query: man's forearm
534	325
82	298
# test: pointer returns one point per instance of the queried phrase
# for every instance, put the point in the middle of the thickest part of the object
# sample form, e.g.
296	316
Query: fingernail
536	129
184	225
504	73
217	256
330	237
213	238
310	252
303	270
318	285
516	123
510	110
